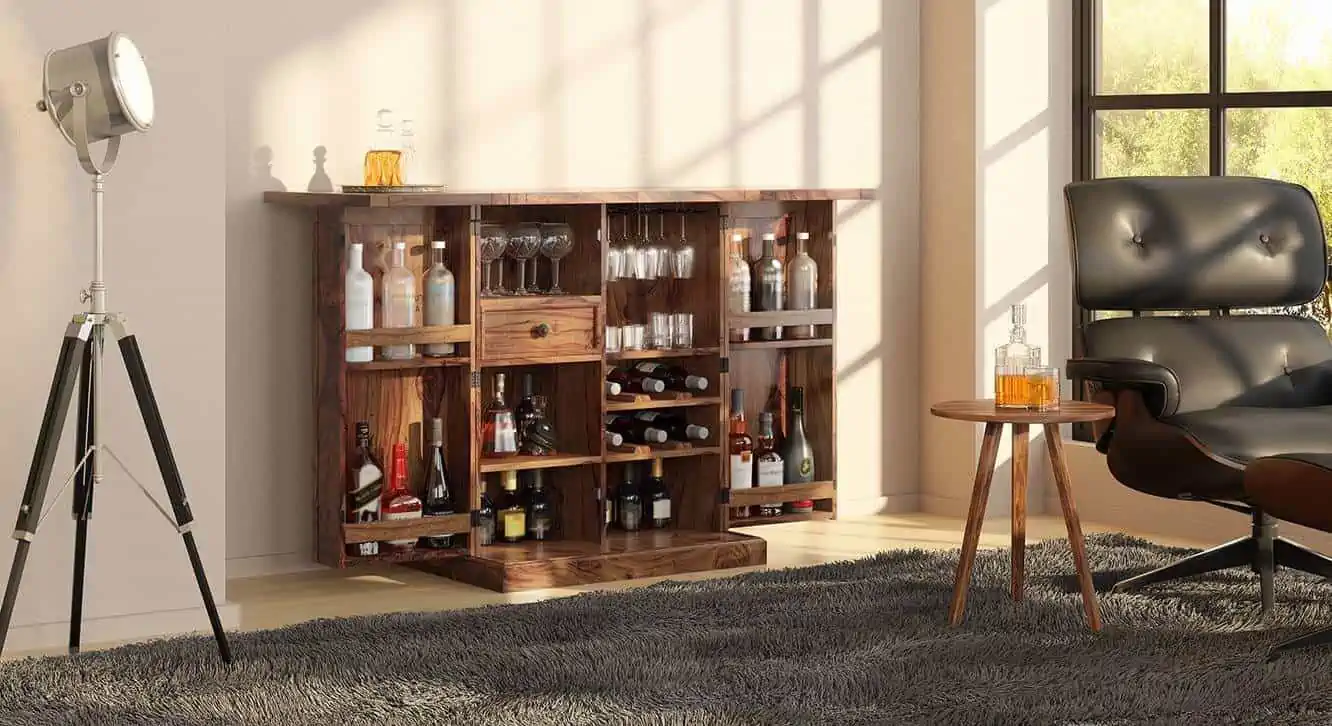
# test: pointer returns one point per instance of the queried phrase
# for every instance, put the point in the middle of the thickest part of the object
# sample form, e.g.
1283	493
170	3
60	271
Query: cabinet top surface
584	196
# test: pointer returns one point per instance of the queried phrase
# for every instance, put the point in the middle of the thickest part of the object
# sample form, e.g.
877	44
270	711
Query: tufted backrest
1189	243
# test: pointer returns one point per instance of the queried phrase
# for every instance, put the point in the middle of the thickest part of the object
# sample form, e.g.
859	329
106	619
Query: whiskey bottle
499	433
634	381
525	412
769	285
657	498
628	505
438	499
360	297
768	468
540	513
440	297
1011	361
367	485
512	514
676	378
635	430
398	299
802	285
677	428
738	285
741	448
399	503
485	521
797	451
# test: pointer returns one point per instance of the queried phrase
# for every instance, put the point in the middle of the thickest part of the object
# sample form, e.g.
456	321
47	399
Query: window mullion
1216	67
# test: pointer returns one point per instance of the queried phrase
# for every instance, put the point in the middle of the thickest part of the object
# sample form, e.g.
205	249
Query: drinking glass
556	242
659	336
1042	388
682	330
632	336
612	339
492	241
682	259
524	244
659	253
614	259
633	254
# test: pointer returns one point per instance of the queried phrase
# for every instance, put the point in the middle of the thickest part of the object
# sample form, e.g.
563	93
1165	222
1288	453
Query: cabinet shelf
406	557
818	316
669	353
815	516
647	453
411	364
523	462
777	344
404	336
641	401
750	496
386	530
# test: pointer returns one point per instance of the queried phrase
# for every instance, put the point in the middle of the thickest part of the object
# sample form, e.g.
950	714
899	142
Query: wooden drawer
540	330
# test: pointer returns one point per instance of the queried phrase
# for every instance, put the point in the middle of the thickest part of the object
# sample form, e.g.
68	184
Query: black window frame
1216	101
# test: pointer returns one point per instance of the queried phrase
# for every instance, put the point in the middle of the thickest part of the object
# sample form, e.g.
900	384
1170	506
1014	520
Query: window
1205	87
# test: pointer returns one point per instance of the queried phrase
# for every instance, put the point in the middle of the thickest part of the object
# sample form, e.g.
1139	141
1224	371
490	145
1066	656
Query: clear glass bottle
1011	361
802	285
769	286
768	468
398	301
440	297
738	280
360	301
499	431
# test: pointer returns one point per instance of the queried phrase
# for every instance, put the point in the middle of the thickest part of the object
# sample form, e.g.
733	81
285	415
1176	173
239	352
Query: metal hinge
725	364
476	379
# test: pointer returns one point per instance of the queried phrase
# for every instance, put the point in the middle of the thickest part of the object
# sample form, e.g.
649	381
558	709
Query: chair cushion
1294	487
1244	433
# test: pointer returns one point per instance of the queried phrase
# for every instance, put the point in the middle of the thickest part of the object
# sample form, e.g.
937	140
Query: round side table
984	411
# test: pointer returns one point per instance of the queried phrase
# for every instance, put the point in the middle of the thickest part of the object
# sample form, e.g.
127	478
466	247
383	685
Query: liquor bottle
677	428
609	506
367	484
632	380
797	451
485	517
635	430
613	388
438	499
768	468
540	513
512	514
738	282
440	297
1011	361
499	434
676	378
536	434
399	301
612	438
657	498
802	285
741	449
399	502
769	285
524	413
360	294
628	505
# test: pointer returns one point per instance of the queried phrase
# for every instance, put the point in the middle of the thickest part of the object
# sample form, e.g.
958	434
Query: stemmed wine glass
682	261
492	241
556	242
633	254
524	244
659	253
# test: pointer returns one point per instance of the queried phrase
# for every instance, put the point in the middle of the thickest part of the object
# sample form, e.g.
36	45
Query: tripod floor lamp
97	91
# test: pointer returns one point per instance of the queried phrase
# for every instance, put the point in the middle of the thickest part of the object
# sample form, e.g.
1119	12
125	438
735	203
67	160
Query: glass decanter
499	432
1011	362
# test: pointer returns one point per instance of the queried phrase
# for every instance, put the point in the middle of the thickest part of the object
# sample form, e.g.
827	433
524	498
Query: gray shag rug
862	642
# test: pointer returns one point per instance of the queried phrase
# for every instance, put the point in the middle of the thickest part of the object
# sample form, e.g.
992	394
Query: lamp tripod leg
43	458
84	479
166	463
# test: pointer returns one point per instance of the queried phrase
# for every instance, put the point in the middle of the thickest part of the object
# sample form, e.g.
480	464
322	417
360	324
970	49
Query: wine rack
559	341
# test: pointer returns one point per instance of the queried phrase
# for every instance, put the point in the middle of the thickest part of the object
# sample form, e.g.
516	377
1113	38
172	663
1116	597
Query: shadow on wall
320	182
261	175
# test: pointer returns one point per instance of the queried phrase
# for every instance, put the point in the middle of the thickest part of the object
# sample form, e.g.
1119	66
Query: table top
983	410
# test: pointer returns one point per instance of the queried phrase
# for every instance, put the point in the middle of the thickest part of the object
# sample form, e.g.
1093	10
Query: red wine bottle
676	378
636	430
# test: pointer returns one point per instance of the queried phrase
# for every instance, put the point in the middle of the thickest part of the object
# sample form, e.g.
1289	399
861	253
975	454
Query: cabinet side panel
331	435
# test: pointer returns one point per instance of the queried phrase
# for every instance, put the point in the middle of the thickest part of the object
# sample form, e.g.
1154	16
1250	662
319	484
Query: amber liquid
1030	391
383	168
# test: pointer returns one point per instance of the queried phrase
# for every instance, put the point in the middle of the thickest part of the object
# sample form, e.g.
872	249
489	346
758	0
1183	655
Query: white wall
563	94
166	272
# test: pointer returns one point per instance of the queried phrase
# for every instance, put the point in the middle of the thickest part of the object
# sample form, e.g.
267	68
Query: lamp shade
114	79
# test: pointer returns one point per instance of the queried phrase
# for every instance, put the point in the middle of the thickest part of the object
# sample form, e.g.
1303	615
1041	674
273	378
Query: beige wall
558	93
165	271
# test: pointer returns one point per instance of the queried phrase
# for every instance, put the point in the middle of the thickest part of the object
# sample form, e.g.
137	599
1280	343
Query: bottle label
770	473
648	368
515	523
648	416
661	509
742	470
400	515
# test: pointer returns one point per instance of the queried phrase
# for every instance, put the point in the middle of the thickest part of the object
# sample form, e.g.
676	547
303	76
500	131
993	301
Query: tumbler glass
659	335
1043	388
633	337
682	330
612	339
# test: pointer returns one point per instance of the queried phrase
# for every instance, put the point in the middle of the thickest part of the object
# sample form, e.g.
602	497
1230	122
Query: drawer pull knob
541	331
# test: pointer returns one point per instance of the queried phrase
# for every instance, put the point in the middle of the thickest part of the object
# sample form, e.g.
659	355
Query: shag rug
861	642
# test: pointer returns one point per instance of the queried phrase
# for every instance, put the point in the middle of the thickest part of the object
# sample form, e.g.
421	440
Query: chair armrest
1159	384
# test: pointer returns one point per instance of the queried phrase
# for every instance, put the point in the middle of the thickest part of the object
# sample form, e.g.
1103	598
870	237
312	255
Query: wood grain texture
446	395
406	529
643	401
822	316
756	521
787	493
1055	444
418	336
539	335
392	402
1019	530
529	303
984	411
774	344
617	455
980	494
626	355
523	462
408	557
606	196
412	364
331	431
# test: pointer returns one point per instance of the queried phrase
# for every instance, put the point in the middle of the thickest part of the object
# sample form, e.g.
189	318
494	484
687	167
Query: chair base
1262	551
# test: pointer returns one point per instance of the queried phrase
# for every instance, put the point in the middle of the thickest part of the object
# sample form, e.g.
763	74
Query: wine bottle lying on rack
675	425
676	378
635	430
632	380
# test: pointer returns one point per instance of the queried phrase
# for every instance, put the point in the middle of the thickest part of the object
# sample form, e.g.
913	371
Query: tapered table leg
980	492
1060	467
1019	431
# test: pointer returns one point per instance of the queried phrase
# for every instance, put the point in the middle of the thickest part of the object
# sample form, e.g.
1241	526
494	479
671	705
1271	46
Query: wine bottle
636	430
360	294
438	499
440	297
768	469
540	513
802	285
512	513
676	378
798	452
769	285
738	285
367	485
485	521
613	388
677	428
499	434
399	502
741	448
628	505
612	438
657	498
634	381
399	301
